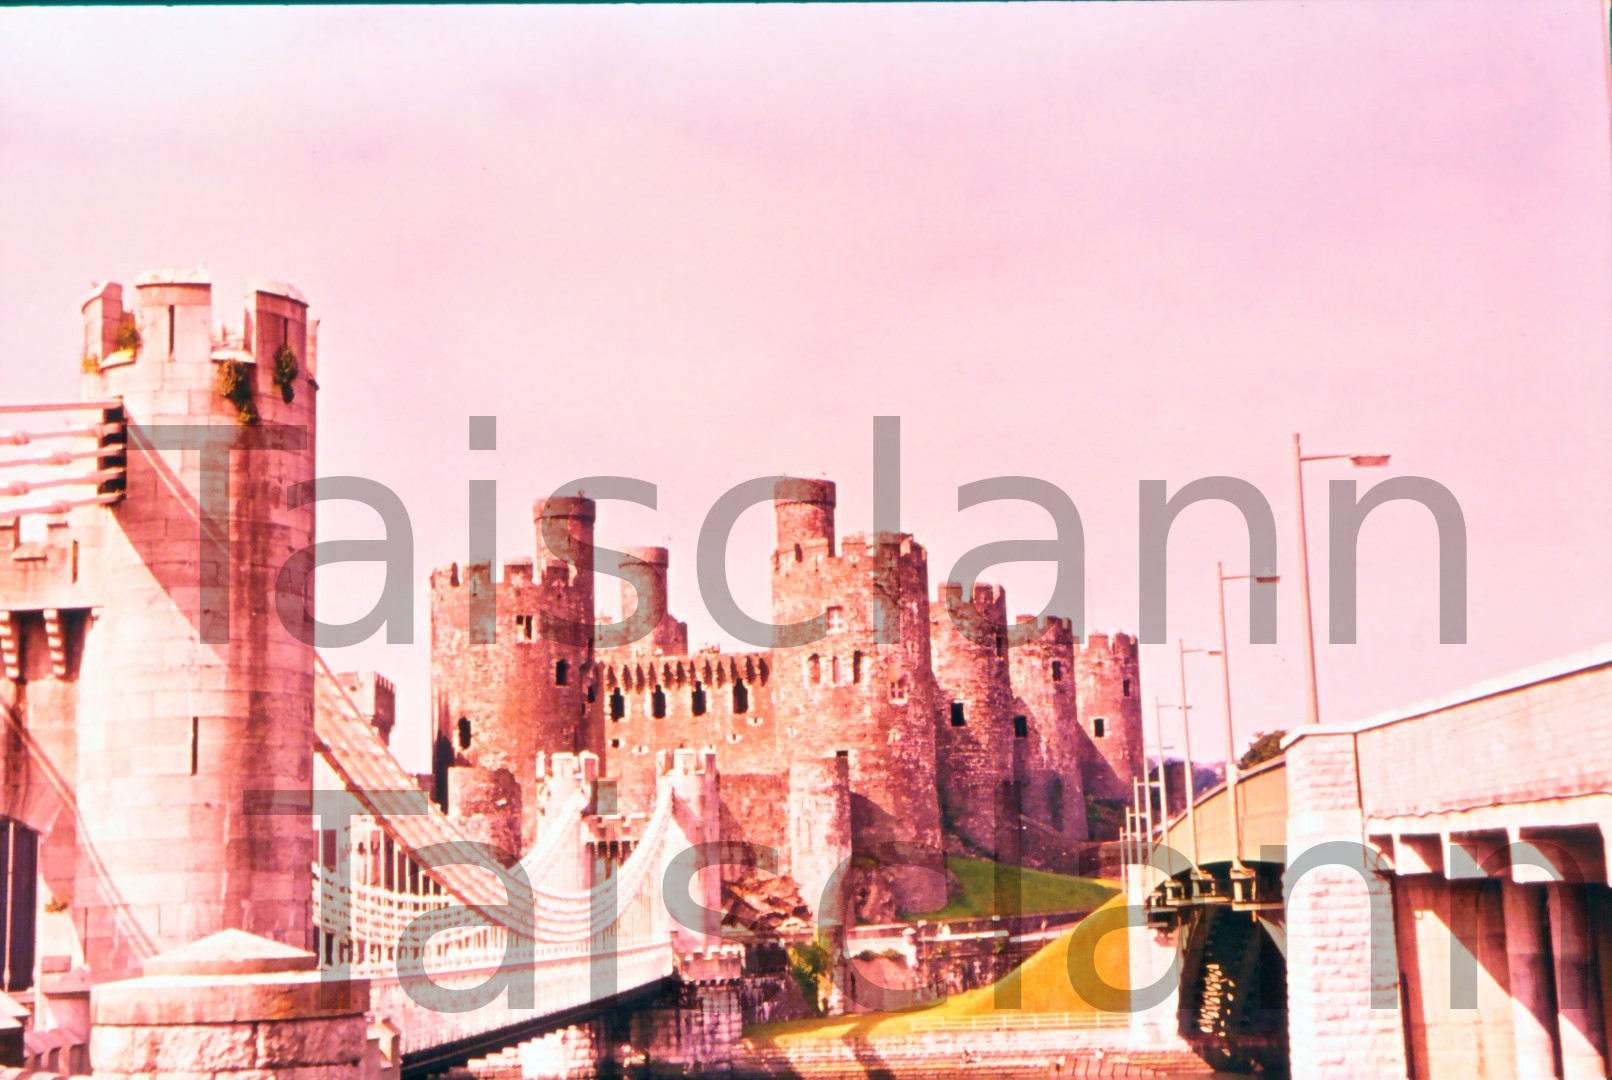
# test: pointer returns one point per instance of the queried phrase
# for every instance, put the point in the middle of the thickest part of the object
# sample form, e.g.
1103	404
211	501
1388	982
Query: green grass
1040	892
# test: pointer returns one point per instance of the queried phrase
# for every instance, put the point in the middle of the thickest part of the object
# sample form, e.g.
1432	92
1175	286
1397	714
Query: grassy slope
1040	892
1042	983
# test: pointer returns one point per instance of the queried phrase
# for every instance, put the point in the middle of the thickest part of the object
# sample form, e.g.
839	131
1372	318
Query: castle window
1057	671
562	672
170	331
1127	688
814	668
697	704
856	667
898	691
834	670
593	693
843	754
799	554
1021	727
618	704
464	733
1097	727
195	743
615	744
527	625
741	696
734	736
957	714
836	620
1001	644
657	703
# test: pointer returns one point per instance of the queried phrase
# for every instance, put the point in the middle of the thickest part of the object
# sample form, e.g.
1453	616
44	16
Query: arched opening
697	704
1021	727
562	672
1097	727
657	703
1057	671
618	704
814	668
957	714
856	667
1127	690
464	733
741	697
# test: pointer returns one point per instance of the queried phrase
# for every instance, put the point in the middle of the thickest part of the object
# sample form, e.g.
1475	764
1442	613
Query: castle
907	722
159	669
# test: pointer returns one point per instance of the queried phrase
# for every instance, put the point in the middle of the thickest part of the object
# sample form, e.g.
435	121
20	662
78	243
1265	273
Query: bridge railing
369	928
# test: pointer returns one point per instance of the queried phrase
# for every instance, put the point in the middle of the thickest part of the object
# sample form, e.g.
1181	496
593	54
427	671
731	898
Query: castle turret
643	583
865	689
1108	682
197	695
805	511
499	703
976	733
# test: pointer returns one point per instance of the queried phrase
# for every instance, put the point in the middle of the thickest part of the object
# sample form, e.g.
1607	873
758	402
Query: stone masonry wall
1343	991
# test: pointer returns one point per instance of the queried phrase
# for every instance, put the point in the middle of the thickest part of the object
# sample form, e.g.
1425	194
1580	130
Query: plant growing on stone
128	338
234	384
286	368
811	964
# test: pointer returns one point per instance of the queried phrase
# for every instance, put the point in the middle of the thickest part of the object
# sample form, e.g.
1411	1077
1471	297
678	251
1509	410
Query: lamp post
1221	577
1360	461
1164	796
1186	750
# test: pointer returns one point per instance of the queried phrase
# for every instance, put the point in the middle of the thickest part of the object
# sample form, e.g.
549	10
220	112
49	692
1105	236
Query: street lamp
1186	749
1360	461
1225	682
1164	796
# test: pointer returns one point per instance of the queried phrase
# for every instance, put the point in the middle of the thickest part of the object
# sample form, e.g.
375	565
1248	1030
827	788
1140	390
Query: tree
1266	745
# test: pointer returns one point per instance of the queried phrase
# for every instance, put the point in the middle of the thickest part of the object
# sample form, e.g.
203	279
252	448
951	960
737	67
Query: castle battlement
686	762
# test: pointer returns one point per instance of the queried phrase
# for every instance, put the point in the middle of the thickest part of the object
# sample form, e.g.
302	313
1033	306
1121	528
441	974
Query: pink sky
1096	244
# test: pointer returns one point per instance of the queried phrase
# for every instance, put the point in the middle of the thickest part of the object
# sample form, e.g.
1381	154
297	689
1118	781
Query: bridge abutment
1343	992
231	1006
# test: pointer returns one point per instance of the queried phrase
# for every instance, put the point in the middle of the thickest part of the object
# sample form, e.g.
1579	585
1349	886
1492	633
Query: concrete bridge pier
1155	956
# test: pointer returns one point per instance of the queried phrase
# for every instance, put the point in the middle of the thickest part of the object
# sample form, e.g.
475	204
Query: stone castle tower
865	691
509	669
1109	682
172	688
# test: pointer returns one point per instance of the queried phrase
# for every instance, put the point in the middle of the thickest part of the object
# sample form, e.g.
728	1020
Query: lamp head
1368	461
1267	579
